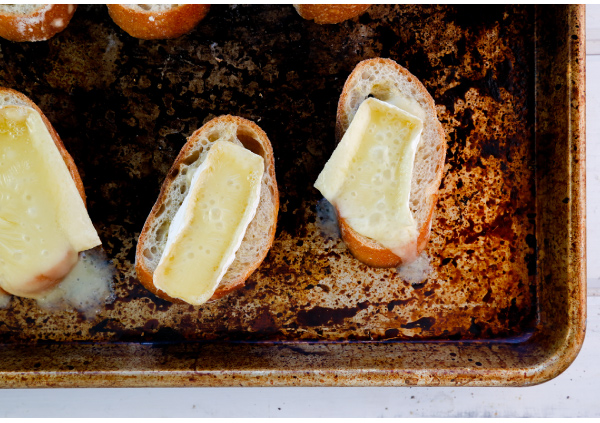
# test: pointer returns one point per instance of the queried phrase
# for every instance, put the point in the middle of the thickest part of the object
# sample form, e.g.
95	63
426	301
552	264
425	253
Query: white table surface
575	393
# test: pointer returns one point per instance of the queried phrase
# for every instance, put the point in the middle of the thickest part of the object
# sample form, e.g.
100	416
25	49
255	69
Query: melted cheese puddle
86	288
368	176
4	299
209	227
43	220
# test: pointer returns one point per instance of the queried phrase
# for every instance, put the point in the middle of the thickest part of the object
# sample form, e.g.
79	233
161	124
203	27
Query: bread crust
145	274
157	25
57	141
363	248
330	13
42	24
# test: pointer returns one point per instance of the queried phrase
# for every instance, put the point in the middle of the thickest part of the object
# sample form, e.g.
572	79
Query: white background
575	393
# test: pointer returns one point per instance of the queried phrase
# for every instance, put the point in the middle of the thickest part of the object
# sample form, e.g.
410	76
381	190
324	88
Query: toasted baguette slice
157	21
384	79
259	234
80	234
34	22
330	13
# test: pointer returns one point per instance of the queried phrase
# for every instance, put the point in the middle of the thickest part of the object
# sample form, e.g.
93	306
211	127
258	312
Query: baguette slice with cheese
330	13
194	205
43	218
34	22
157	21
400	97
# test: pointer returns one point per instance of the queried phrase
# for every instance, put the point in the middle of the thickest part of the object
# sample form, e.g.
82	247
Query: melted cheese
209	227
43	220
4	299
86	288
369	174
408	104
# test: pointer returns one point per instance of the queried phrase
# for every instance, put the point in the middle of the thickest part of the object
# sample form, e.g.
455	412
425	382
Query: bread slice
157	21
385	80
330	13
72	220
34	22
259	234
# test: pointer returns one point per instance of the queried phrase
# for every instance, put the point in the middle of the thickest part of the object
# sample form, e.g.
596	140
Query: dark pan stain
264	322
323	316
300	350
424	323
395	303
476	15
392	333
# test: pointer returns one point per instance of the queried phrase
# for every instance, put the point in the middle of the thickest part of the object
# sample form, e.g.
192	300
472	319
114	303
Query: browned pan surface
124	108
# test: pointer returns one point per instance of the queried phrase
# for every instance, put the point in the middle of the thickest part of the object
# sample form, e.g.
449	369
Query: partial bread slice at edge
26	22
156	21
260	233
382	79
11	97
330	13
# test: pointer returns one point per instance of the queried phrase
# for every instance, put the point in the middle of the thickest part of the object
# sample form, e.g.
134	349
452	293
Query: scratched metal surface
124	108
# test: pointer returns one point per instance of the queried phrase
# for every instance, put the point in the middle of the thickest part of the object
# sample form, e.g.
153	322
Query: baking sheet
124	107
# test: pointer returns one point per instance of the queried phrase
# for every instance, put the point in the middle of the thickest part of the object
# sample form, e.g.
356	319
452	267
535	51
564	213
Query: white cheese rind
209	227
368	176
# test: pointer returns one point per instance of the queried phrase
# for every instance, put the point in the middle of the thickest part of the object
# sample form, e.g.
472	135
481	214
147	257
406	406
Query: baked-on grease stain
424	323
322	316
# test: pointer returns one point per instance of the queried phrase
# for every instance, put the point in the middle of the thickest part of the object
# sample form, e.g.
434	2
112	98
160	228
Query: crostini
215	217
384	175
44	222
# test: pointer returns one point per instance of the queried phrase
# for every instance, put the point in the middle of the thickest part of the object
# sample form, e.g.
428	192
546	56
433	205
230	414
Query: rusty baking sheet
504	303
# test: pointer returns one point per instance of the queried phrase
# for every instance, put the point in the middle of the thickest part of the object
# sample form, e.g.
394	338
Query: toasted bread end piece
382	79
34	22
155	22
330	13
260	233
